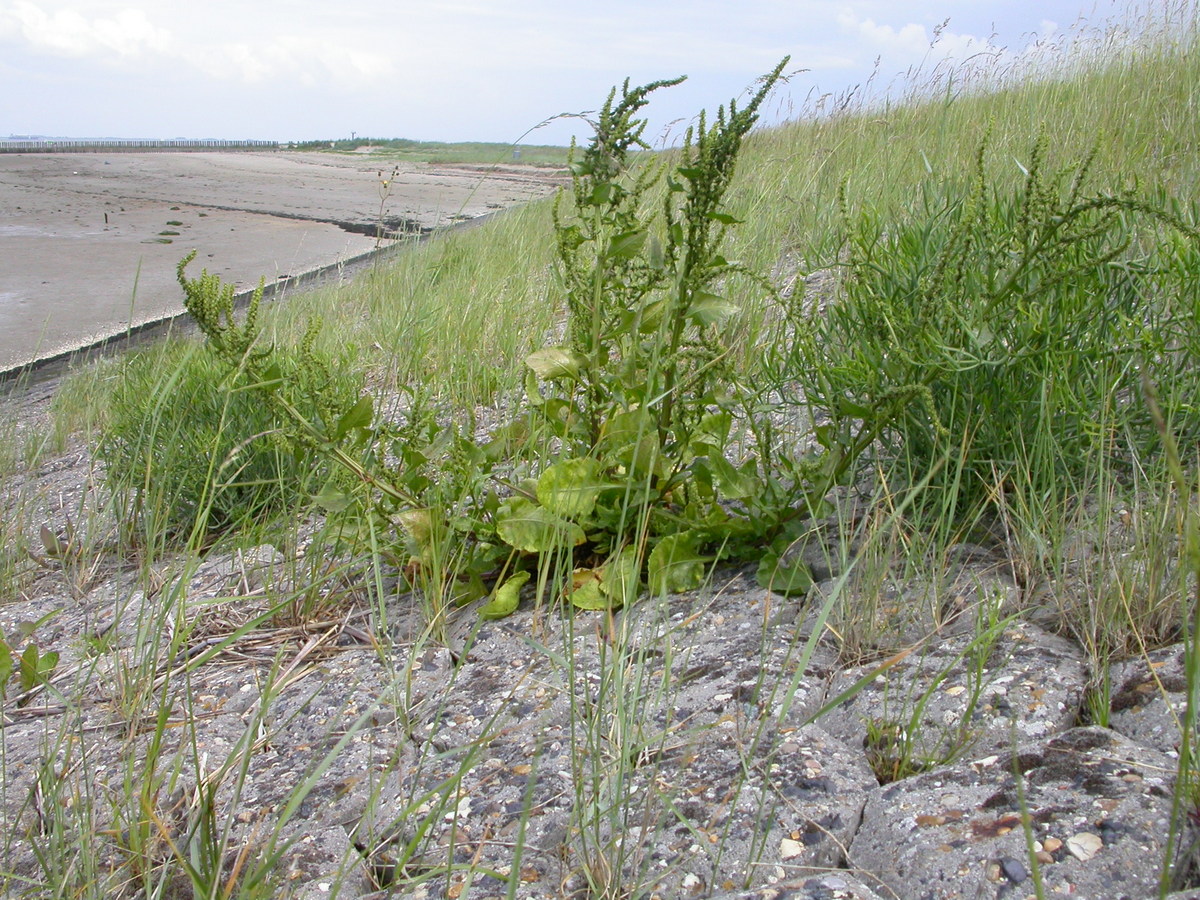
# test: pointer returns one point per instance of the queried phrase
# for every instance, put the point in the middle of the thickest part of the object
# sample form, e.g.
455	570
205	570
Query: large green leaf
714	428
734	484
358	416
786	577
622	578
587	590
610	586
535	529
6	664
724	218
569	488
709	309
333	499
551	363
506	598
676	564
633	442
627	245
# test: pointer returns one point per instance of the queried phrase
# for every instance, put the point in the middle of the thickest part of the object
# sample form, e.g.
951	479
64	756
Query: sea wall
118	146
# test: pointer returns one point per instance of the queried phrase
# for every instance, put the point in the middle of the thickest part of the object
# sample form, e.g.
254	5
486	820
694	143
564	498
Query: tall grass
457	314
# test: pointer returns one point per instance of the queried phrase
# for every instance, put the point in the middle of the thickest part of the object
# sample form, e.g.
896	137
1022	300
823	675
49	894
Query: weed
1027	317
193	441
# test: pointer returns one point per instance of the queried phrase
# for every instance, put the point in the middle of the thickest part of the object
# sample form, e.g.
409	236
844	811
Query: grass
441	153
869	202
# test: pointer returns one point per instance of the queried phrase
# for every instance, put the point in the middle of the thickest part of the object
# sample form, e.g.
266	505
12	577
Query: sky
485	70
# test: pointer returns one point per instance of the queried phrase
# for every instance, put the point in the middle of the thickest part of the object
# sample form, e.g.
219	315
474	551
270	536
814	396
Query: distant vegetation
467	152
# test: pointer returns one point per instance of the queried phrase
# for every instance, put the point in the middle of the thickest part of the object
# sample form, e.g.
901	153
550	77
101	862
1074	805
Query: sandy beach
89	242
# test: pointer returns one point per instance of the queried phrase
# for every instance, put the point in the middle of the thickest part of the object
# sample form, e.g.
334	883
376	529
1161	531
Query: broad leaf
627	245
709	309
333	499
551	363
791	577
534	529
633	442
358	416
734	484
622	578
569	488
586	590
676	564
507	597
272	377
714	428
724	218
504	439
6	664
467	591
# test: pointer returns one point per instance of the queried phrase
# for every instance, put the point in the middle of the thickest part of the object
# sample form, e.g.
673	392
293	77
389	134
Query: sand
86	249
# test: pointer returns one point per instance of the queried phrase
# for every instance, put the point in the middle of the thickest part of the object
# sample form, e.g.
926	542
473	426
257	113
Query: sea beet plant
641	402
639	436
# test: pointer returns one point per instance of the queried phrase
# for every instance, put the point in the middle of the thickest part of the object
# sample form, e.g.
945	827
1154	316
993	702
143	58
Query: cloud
912	43
112	34
126	33
297	58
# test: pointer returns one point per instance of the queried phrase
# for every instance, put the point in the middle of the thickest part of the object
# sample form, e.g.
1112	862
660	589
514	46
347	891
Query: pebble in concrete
1096	806
1149	698
962	696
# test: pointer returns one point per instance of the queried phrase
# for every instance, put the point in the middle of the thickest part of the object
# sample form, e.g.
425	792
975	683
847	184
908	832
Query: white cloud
913	41
300	59
465	68
263	51
125	33
907	41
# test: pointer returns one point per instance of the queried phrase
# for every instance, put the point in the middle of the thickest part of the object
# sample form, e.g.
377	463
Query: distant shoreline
90	241
47	368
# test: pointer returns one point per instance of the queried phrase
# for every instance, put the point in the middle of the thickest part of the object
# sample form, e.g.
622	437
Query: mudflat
89	242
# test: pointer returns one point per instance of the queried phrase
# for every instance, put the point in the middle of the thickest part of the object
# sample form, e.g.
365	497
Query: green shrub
185	447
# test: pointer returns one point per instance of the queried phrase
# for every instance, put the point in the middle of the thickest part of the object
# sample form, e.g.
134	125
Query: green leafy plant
1025	315
648	458
226	437
194	449
26	665
642	400
639	396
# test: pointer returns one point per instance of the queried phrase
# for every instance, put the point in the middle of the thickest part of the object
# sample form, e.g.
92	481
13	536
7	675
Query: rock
963	695
662	751
1097	804
794	812
1149	698
322	864
731	651
625	748
830	886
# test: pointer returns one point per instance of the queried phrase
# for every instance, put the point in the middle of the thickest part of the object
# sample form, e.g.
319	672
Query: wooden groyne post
131	146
